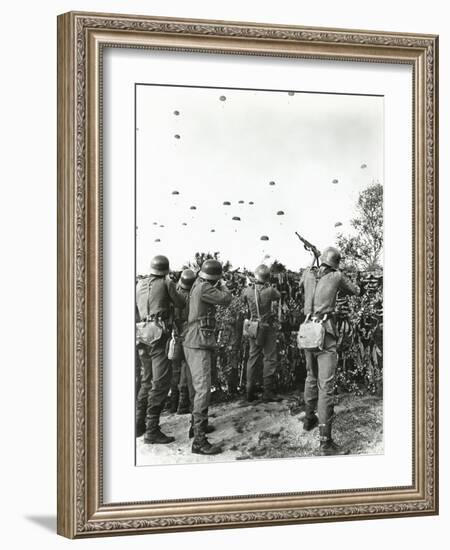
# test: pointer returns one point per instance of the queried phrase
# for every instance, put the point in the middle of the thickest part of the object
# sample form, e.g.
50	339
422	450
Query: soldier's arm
177	297
212	295
347	286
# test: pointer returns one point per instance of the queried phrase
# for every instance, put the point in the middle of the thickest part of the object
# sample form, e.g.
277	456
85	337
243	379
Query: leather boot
269	396
184	405
140	424
327	446
209	429
310	422
201	446
153	434
251	395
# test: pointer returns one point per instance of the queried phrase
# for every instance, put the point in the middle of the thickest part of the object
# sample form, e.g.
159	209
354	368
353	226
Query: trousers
161	374
199	364
265	344
319	383
144	365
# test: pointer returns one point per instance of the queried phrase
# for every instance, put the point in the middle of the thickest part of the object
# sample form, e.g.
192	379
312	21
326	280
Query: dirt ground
269	430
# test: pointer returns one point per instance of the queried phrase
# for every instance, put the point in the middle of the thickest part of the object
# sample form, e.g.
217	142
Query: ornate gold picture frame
82	38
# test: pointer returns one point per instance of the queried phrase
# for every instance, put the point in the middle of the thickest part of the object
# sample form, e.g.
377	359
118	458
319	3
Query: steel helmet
331	257
262	273
159	266
187	279
211	270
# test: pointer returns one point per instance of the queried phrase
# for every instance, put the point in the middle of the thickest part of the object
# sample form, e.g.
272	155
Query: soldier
199	344
155	297
321	286
259	298
179	389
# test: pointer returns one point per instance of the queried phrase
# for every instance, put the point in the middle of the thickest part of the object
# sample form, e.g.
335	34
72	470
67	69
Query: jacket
158	301
203	299
181	313
321	287
266	295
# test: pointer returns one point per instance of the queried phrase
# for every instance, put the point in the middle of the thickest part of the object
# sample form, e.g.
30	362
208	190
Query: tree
363	250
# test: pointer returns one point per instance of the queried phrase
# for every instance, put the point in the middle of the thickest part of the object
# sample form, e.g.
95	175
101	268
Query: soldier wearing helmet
179	387
321	286
259	297
199	343
156	296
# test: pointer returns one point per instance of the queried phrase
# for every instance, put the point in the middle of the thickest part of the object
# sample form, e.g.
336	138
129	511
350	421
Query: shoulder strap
257	303
150	281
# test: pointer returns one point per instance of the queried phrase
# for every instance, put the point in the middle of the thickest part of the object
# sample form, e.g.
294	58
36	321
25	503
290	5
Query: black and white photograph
259	274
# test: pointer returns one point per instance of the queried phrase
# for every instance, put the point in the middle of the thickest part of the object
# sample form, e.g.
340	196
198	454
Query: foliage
358	321
363	249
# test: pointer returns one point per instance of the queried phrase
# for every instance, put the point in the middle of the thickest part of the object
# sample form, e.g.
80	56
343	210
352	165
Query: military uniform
199	342
266	341
155	296
321	286
179	387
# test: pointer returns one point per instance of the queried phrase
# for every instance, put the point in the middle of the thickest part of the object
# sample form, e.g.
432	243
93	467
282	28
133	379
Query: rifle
310	248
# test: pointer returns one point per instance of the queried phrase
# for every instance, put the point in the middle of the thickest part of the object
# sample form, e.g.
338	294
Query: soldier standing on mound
259	298
155	297
321	286
199	344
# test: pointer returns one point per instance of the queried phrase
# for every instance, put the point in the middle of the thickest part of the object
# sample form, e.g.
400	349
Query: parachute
184	223
337	224
280	213
335	181
226	203
176	113
193	208
157	240
264	238
177	136
364	165
213	230
236	218
271	183
175	193
222	98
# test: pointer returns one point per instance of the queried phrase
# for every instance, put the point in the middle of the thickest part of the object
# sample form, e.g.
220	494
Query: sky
231	144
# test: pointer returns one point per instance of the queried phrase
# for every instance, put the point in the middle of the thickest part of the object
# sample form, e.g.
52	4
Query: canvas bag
250	328
311	335
148	332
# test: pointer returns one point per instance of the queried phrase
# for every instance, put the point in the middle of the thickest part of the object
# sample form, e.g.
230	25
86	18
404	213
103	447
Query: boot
310	422
209	429
269	396
184	405
154	435
327	446
140	425
204	447
251	395
174	399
